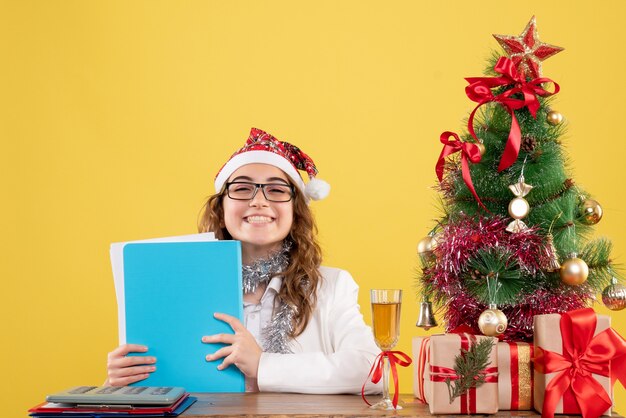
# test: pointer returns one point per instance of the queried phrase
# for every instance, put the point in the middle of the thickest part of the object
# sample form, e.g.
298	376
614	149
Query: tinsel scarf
261	271
275	336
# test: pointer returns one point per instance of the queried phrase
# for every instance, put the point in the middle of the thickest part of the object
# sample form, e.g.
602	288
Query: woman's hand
243	351
122	370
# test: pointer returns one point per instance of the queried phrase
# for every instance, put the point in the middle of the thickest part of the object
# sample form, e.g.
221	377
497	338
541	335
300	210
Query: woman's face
259	224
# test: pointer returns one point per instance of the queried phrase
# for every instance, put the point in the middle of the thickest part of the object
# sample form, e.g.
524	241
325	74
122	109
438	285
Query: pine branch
470	366
488	264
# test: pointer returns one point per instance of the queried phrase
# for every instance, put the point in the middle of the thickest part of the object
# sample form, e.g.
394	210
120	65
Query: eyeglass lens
274	192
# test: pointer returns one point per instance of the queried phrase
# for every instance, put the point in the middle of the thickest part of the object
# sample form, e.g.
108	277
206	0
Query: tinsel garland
460	239
462	309
274	336
262	270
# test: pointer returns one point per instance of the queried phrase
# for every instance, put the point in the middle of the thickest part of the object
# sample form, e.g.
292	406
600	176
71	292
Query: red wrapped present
578	357
435	361
515	376
421	371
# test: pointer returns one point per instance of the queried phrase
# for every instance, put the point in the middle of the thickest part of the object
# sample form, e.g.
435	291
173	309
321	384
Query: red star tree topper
526	50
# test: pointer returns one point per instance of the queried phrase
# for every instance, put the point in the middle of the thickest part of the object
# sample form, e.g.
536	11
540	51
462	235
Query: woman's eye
243	188
278	189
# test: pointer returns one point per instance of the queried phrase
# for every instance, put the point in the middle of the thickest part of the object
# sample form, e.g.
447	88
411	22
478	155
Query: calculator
118	395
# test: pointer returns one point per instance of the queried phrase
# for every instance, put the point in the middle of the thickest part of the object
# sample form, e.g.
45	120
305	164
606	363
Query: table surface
298	405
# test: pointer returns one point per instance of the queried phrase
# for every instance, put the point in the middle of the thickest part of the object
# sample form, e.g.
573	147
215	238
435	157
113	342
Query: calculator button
135	390
108	390
161	391
81	389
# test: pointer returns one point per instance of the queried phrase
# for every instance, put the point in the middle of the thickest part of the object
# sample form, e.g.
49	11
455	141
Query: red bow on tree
479	90
583	354
469	151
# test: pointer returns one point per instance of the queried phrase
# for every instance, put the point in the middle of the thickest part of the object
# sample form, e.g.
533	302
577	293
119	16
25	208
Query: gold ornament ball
614	297
481	148
590	212
425	245
518	208
492	322
554	118
425	248
574	271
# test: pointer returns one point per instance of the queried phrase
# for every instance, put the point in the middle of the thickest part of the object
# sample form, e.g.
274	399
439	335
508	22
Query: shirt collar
275	284
273	287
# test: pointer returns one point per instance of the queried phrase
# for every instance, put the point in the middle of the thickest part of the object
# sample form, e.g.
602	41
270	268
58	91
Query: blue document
171	291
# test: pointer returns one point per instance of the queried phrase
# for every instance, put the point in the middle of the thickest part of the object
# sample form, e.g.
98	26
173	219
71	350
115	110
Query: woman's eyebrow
250	179
277	179
242	178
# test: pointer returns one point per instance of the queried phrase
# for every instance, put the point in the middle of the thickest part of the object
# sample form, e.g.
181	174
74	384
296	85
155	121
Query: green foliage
597	254
490	270
470	368
544	166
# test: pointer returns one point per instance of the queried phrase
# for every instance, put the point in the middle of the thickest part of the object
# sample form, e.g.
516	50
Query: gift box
515	376
572	364
421	346
435	364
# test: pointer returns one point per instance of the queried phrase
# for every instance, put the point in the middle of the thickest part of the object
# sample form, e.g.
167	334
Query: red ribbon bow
469	151
376	372
583	354
479	91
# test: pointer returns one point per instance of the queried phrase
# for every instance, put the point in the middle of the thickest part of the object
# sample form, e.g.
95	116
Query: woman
302	329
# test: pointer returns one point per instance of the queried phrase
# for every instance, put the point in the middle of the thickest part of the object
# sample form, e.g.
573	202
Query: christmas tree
514	239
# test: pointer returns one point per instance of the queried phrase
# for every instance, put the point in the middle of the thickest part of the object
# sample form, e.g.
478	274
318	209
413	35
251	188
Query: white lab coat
335	352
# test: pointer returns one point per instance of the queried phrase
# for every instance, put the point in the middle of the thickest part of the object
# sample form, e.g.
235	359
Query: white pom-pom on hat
317	189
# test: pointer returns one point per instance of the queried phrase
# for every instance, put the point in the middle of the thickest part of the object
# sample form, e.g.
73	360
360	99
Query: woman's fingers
123	369
124	349
234	323
129	361
131	371
243	351
222	352
228	353
219	338
230	359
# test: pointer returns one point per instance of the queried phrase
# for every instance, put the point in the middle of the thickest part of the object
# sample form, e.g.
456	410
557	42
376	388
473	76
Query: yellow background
116	116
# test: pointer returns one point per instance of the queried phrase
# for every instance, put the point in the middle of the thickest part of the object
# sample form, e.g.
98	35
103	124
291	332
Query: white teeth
259	219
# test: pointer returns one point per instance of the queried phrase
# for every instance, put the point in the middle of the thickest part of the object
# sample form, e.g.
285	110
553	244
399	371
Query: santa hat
263	148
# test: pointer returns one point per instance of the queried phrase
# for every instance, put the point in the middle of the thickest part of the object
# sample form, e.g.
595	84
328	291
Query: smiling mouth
259	219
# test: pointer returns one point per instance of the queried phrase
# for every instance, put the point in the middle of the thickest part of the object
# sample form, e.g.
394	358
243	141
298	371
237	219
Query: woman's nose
259	199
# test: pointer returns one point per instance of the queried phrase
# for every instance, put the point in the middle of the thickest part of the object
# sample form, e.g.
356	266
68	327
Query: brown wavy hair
300	280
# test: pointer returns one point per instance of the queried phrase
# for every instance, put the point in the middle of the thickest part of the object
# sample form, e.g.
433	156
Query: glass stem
386	379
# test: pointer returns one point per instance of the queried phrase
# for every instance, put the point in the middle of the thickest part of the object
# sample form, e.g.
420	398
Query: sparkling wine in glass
386	305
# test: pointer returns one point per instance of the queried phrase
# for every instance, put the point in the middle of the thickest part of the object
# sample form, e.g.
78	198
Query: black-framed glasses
273	192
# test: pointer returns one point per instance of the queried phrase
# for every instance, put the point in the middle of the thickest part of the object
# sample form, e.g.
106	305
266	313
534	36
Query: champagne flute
386	326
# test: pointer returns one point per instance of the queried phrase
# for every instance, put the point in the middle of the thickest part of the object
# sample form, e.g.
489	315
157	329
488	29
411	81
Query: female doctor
302	330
